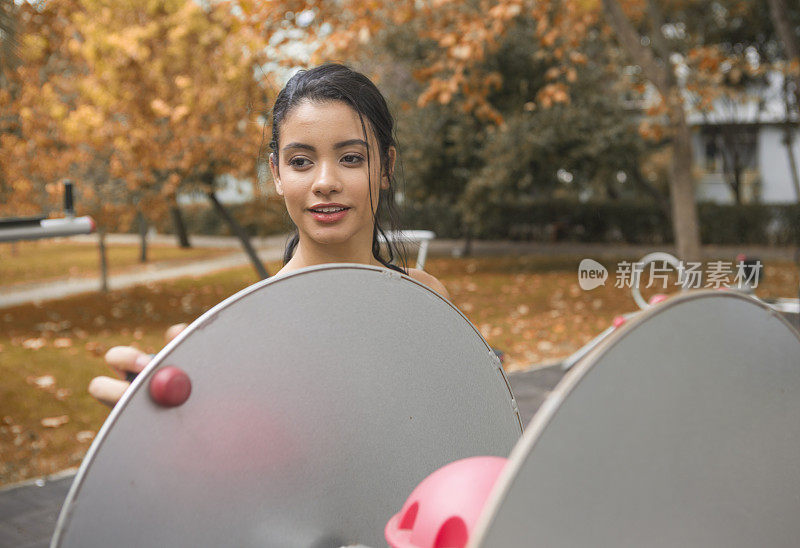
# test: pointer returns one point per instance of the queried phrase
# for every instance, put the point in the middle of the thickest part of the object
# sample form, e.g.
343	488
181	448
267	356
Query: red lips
328	217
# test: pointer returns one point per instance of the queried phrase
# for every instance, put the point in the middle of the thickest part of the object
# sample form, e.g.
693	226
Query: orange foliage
133	100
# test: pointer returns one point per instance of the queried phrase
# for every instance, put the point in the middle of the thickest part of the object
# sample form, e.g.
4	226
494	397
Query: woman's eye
299	161
352	158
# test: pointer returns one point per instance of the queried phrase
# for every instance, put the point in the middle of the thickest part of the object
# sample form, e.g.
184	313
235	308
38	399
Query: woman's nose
326	181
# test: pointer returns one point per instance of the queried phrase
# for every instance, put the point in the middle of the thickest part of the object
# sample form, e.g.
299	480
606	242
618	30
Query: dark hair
335	82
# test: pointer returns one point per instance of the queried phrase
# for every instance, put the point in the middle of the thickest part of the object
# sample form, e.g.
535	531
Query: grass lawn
42	260
530	307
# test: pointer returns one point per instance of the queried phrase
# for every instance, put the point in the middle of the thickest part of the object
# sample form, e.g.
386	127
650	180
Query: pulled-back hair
335	82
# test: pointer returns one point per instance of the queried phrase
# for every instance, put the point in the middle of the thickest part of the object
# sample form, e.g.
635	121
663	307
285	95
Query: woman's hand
124	360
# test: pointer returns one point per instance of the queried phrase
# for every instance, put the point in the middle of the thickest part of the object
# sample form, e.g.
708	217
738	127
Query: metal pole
103	262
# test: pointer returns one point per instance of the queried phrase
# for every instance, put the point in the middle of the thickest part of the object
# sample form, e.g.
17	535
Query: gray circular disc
319	400
681	429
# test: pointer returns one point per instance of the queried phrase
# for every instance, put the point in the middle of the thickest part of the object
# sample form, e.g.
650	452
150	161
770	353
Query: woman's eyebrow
340	144
349	142
298	145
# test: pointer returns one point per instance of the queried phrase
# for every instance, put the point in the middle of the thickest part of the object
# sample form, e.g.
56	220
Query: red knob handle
170	387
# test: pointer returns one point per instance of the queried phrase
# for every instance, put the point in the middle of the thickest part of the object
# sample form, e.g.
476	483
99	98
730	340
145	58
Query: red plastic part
619	321
170	387
443	509
658	298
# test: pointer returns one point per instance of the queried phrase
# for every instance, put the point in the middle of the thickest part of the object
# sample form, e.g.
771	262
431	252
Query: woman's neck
309	255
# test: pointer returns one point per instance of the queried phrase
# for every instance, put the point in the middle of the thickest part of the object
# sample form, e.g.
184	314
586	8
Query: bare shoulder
429	280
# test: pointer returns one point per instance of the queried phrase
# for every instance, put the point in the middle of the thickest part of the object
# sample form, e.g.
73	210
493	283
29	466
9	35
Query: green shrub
633	222
553	220
258	218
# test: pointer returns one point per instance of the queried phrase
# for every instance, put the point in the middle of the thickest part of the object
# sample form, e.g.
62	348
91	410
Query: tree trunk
658	70
737	184
180	226
730	165
101	238
466	250
142	237
788	140
237	229
685	225
9	44
780	19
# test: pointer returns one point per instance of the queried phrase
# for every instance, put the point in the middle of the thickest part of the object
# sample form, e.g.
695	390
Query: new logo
591	274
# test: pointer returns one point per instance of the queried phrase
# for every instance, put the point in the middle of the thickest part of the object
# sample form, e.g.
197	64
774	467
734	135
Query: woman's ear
386	177
273	167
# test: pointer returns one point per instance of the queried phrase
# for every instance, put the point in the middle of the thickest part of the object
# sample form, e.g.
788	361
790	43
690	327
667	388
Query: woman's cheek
292	205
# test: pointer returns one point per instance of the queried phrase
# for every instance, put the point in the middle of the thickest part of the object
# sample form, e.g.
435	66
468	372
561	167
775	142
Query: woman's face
323	176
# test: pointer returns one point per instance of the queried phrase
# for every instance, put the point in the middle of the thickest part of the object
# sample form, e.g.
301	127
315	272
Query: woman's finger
124	359
174	330
107	390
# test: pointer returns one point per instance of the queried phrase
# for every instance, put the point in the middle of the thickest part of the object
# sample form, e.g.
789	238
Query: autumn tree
172	88
36	90
672	42
452	158
144	97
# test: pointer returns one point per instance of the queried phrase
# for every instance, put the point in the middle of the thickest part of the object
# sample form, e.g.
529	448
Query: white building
230	190
756	127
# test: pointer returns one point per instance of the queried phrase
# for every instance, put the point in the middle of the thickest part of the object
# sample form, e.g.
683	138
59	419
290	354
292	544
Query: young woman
332	159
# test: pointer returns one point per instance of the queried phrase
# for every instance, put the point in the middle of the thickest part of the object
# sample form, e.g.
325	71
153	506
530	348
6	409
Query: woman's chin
330	237
344	244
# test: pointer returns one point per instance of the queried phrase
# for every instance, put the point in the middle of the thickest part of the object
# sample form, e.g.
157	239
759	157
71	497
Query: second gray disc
680	429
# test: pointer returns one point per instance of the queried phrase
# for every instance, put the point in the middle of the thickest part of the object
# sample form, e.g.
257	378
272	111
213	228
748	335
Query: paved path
28	513
154	273
271	249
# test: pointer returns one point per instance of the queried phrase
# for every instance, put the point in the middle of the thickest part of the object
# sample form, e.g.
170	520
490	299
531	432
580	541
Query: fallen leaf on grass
62	342
45	381
95	348
84	435
55	422
33	344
